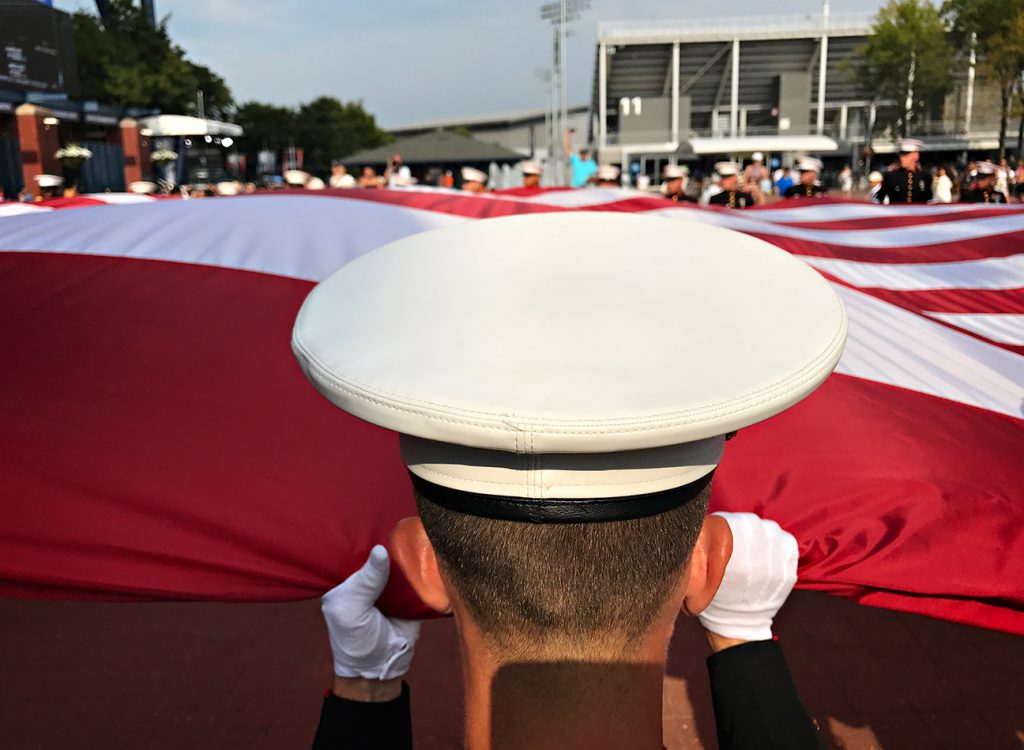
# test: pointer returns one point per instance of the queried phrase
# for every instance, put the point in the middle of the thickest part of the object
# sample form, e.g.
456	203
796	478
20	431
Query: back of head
543	590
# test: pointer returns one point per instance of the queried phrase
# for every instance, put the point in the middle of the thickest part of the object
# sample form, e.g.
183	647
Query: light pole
560	13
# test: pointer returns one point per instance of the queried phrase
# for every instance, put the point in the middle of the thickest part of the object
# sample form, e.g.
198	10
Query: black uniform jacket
732	199
799	190
755	700
905	186
681	198
979	195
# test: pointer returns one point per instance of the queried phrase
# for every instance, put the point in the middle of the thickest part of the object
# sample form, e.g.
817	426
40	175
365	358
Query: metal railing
622	32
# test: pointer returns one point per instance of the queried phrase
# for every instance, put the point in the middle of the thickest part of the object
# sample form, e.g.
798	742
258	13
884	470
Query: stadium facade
705	89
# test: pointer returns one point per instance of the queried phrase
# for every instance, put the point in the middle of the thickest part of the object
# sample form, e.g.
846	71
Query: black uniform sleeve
883	190
755	700
354	725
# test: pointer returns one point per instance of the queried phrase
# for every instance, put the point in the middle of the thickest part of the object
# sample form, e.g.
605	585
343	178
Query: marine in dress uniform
728	181
473	180
531	174
608	176
982	188
674	184
908	183
578	457
808	186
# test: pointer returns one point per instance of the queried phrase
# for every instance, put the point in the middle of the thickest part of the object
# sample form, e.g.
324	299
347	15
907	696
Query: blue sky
412	61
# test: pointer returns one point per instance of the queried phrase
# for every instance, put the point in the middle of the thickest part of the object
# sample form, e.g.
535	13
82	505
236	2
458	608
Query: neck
553	704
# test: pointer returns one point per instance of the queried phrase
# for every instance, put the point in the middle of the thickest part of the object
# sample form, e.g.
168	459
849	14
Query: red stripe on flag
998	301
159	441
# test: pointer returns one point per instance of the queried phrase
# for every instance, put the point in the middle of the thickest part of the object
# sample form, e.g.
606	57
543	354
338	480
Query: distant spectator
846	181
315	183
369	178
24	195
755	176
250	188
942	190
473	180
785	182
340	178
531	174
583	167
1004	179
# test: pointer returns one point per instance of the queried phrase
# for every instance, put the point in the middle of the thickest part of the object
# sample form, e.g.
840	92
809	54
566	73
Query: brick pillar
136	151
38	144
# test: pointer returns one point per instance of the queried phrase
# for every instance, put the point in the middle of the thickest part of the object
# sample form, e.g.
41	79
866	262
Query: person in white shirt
943	187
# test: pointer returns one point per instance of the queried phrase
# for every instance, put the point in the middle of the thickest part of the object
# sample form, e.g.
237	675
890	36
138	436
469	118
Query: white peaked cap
757	156
228	188
473	175
908	145
49	180
671	172
315	183
515	359
726	168
984	168
142	187
531	167
295	177
608	173
875	176
808	164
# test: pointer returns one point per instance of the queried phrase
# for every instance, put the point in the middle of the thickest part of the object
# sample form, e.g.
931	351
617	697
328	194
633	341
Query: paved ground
251	676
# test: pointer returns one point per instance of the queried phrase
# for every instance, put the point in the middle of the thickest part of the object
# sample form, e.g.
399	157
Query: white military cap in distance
531	167
672	172
608	173
569	355
228	187
727	168
296	177
473	175
49	180
985	168
909	145
809	164
142	187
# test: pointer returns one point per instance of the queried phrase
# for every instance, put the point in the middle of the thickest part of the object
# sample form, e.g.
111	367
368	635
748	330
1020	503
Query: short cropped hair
564	588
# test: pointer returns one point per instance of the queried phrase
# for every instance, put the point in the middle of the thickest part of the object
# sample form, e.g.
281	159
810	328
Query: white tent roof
170	125
772	143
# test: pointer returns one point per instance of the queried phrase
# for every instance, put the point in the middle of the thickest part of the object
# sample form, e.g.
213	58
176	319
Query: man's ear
414	555
707	564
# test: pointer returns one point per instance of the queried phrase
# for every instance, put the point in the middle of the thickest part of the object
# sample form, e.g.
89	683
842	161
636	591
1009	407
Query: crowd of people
728	183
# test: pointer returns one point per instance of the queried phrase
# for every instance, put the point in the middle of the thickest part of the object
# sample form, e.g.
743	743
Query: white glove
758	578
364	642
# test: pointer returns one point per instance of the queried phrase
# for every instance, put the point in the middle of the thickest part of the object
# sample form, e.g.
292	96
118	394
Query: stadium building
701	90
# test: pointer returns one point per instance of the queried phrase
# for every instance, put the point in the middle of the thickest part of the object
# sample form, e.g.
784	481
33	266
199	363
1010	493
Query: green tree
123	60
327	129
324	128
905	62
995	31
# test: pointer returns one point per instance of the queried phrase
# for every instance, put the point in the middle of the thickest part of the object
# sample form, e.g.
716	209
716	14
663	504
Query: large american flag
158	441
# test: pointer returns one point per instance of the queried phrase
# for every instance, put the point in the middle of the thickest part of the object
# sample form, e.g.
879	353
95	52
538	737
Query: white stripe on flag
120	197
892	238
585	198
989	273
890	345
845	211
1001	328
304	237
16	209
